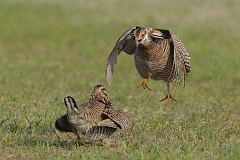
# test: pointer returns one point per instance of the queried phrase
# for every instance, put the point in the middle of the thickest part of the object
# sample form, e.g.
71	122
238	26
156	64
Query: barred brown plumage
93	118
100	132
118	117
158	55
182	59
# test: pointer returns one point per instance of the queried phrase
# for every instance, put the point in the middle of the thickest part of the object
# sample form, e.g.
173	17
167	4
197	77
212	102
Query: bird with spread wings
158	55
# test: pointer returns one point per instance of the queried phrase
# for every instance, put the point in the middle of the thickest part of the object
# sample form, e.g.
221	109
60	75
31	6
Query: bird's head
146	35
99	93
143	37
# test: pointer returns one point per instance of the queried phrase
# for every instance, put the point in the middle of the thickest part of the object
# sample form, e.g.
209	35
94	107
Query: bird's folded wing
100	132
118	116
160	34
108	123
125	43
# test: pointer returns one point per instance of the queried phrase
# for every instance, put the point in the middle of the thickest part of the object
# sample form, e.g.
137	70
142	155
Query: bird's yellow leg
168	96
143	84
80	141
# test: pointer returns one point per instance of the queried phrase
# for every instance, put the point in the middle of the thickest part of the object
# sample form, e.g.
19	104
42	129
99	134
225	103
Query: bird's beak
138	41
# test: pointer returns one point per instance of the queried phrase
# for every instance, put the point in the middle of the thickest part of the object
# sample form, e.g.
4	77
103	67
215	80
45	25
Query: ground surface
51	49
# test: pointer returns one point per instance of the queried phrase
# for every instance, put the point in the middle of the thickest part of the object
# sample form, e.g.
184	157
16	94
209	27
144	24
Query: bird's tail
62	124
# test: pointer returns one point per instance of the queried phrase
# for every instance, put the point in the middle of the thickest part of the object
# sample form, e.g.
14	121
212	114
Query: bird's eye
142	35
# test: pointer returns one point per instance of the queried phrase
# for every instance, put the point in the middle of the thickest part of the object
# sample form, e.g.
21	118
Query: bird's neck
144	51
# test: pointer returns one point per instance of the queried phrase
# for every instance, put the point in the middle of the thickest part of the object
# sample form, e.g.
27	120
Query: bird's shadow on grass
34	134
39	134
64	144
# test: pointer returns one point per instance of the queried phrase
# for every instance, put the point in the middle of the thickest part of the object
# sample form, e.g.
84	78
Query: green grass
50	49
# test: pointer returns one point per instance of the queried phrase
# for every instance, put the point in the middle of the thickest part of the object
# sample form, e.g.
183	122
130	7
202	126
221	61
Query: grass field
51	49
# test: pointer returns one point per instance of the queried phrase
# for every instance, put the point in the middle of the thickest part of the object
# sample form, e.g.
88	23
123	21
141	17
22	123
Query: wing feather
108	123
100	132
118	116
125	43
181	58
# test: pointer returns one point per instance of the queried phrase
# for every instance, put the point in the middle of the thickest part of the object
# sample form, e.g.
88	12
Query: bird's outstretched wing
181	58
125	43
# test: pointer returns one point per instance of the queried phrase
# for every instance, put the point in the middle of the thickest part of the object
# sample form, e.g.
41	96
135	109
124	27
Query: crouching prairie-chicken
158	55
97	118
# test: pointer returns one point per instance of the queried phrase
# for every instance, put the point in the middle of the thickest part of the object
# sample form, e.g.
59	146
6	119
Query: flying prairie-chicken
97	118
158	55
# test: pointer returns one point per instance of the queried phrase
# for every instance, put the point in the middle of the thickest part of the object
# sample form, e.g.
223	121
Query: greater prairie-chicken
97	118
158	55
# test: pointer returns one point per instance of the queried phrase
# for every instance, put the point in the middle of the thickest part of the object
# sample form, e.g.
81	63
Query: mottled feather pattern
119	117
100	132
155	62
158	55
108	123
90	115
185	57
181	59
90	118
92	110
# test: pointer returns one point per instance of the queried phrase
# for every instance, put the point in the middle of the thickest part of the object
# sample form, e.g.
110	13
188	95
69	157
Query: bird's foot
80	143
143	84
168	98
111	143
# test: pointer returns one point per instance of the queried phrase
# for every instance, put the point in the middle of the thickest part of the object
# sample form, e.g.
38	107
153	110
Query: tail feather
62	124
